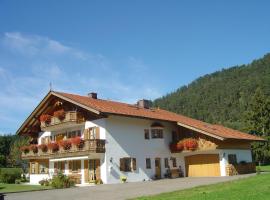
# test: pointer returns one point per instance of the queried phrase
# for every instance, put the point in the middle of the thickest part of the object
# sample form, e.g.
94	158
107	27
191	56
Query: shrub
17	181
62	181
9	175
43	147
34	148
66	144
98	182
190	144
45	118
123	179
60	114
44	182
53	146
78	141
25	149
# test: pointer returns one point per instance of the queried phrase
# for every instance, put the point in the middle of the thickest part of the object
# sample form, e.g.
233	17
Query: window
72	134
166	163
33	167
148	163
59	166
174	162
75	165
127	164
146	134
157	133
91	133
43	168
232	159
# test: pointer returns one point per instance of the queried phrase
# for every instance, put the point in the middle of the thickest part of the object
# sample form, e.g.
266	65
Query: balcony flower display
180	146
53	146
190	144
173	147
45	118
66	144
25	149
34	148
78	141
60	114
43	147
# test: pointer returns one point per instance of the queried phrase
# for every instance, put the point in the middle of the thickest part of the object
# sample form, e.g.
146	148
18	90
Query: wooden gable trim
43	102
200	131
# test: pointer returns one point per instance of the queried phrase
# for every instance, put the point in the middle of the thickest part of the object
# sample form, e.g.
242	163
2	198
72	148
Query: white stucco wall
43	134
125	138
35	178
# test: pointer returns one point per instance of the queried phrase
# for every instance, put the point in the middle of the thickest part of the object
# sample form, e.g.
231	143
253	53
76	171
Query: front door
94	169
157	168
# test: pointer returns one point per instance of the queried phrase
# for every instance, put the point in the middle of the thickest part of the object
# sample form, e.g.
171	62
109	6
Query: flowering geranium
43	147
190	144
60	114
66	144
180	146
53	146
78	141
34	148
25	149
45	118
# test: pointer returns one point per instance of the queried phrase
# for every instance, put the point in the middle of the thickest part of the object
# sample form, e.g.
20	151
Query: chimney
92	95
144	103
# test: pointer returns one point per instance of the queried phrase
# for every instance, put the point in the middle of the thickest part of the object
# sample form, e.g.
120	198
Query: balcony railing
89	146
69	117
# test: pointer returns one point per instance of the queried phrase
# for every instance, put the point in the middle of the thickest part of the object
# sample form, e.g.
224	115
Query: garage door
202	165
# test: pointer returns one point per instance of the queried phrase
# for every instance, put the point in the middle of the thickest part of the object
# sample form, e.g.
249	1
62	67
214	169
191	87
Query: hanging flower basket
34	148
45	118
43	147
60	114
54	147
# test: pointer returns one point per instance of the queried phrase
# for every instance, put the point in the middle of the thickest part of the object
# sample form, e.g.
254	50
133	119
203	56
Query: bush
62	181
17	181
44	182
9	175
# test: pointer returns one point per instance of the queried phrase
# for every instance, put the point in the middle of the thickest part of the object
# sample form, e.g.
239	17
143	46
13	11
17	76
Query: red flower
45	118
25	149
173	148
43	147
180	146
34	148
190	144
60	114
66	144
53	146
78	141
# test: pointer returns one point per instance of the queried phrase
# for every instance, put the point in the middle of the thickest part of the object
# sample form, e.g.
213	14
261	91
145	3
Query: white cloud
41	60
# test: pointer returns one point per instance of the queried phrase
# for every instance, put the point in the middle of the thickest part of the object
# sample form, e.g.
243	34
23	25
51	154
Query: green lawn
265	168
253	188
5	188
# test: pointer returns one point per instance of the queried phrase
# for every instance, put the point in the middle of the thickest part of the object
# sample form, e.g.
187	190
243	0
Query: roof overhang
43	102
200	131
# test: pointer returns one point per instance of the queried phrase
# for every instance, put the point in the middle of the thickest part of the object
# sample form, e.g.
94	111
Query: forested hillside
221	97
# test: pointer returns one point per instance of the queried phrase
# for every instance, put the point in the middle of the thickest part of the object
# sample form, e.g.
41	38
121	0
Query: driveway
121	191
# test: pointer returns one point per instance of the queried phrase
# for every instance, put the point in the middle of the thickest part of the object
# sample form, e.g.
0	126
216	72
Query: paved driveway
120	191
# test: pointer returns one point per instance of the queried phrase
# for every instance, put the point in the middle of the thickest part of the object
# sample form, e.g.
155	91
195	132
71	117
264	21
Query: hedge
9	175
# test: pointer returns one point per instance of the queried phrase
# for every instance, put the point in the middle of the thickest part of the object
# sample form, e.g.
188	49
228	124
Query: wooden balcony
71	118
90	146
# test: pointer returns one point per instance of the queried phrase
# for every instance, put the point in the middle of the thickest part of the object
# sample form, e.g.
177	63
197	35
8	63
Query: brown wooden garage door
202	165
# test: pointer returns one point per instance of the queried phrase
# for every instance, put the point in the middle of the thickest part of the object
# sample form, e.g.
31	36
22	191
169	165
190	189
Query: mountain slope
221	97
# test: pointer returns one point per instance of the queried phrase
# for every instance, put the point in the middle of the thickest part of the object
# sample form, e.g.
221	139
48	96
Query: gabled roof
99	106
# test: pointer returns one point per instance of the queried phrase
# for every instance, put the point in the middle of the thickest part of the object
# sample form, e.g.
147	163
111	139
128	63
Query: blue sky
124	50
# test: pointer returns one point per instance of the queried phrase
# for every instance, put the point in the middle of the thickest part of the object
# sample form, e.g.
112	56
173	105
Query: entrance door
157	168
94	169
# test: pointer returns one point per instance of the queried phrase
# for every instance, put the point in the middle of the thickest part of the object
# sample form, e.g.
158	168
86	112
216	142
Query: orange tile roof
113	107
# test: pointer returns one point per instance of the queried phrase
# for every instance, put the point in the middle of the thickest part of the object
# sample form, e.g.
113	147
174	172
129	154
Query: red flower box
180	146
45	118
25	149
34	148
78	141
190	144
173	147
60	114
66	144
43	147
53	146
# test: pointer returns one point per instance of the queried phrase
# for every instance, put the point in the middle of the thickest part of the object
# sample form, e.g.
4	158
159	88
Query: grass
6	188
265	168
252	188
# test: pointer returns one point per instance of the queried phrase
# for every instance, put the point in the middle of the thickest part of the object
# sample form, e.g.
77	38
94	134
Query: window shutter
36	168
134	164
86	134
97	132
122	164
30	163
